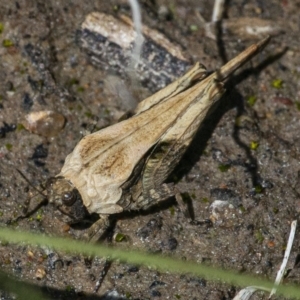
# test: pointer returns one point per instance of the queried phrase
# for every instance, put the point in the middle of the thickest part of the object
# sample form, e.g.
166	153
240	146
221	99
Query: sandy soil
246	154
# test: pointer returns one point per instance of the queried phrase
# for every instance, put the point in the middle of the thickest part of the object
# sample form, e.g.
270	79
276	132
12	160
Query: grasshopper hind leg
152	197
94	234
157	195
98	229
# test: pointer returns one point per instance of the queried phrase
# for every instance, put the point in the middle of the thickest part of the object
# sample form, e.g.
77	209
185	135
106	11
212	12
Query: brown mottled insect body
124	166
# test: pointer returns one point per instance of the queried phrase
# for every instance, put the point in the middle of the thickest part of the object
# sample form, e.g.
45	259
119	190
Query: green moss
20	127
242	209
39	216
7	43
193	27
205	200
8	146
1	27
254	145
69	288
116	8
258	189
277	83
80	89
120	237
224	167
298	105
251	100
73	81
186	197
258	236
172	210
88	114
107	111
205	153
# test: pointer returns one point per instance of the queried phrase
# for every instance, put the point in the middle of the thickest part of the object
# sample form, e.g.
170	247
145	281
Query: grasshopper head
66	199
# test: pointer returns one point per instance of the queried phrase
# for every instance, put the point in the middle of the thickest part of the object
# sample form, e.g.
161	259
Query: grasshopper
124	166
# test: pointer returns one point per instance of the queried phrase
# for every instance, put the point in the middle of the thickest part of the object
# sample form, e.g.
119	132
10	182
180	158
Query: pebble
40	273
46	123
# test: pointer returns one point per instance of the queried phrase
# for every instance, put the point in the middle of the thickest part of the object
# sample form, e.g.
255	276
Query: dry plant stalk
124	166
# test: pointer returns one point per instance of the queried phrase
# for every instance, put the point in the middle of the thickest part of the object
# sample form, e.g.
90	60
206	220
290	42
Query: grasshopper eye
68	198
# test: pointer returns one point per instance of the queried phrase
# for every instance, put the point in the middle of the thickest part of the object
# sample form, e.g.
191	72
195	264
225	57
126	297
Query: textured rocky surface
246	154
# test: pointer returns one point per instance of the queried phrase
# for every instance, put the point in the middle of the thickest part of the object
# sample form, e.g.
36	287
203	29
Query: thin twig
288	249
218	10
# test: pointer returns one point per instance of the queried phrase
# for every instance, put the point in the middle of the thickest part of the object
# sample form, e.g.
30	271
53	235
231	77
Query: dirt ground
246	154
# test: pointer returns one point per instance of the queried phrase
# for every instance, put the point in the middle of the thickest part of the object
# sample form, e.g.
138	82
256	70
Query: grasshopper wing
172	145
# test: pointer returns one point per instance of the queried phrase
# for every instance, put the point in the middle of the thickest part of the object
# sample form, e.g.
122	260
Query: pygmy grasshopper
124	166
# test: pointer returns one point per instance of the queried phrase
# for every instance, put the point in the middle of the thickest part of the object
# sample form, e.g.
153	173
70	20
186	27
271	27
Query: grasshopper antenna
26	179
26	206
